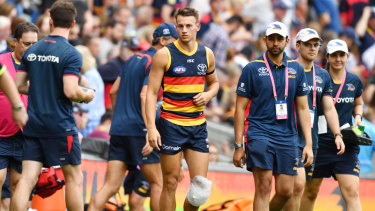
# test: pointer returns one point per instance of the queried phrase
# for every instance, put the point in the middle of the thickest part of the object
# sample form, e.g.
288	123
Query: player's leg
198	166
29	177
152	173
310	194
136	202
115	175
170	166
284	191
73	186
3	174
263	186
349	186
5	195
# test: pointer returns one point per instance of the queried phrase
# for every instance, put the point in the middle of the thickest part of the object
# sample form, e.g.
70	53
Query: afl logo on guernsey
31	57
179	69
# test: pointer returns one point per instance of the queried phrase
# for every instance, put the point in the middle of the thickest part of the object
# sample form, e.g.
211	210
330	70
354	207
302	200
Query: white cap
307	34
277	28
337	45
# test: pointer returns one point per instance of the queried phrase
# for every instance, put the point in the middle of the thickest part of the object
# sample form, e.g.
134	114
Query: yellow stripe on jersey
187	109
257	61
184	51
169	59
208	60
292	60
183	88
2	70
187	122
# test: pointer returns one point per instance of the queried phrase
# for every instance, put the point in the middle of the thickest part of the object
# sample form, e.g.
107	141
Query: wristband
18	107
338	134
236	146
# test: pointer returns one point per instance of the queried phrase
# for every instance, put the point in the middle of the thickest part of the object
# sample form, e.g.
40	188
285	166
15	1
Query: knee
311	193
199	191
264	186
298	187
170	183
285	192
350	192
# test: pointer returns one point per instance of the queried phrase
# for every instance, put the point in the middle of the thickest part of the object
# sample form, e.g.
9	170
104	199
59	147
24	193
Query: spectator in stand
213	156
328	13
366	29
96	107
92	42
211	17
351	11
5	32
80	115
102	131
114	33
279	10
246	55
123	14
217	38
43	24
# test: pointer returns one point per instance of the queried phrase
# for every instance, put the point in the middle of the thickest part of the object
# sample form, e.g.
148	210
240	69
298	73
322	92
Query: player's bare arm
333	122
159	63
358	109
304	119
73	92
21	81
203	98
113	92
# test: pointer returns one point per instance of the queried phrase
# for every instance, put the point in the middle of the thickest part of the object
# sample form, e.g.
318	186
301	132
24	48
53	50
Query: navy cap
132	43
280	4
350	32
166	29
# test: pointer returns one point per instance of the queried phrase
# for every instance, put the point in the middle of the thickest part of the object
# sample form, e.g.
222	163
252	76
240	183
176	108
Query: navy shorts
135	180
175	138
129	150
11	151
53	151
310	169
264	154
328	163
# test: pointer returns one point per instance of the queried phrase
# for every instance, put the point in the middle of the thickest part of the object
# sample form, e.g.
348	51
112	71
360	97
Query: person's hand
357	120
153	138
307	156
201	99
340	145
20	117
239	157
147	149
90	94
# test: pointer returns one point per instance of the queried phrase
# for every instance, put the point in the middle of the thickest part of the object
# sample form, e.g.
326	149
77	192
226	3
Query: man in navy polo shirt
268	83
128	146
52	68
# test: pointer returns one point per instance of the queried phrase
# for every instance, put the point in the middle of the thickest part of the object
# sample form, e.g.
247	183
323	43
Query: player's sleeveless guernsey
184	78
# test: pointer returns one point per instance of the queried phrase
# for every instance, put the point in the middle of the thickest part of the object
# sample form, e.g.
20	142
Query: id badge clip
281	110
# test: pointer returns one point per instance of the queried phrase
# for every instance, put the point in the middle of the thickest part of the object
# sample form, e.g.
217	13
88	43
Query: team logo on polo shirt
263	71
31	57
179	69
318	79
351	87
292	71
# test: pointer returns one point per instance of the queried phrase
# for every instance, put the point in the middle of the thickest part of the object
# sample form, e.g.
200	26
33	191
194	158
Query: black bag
96	146
351	138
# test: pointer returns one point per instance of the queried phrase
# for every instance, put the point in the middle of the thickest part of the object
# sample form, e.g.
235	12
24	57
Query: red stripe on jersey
70	142
167	115
328	96
51	41
22	71
184	80
181	103
295	116
246	121
71	75
148	58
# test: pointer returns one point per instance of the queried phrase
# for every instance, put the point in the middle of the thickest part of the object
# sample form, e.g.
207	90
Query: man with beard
269	132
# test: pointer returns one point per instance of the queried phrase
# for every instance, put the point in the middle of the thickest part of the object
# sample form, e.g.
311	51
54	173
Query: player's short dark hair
23	28
187	11
63	13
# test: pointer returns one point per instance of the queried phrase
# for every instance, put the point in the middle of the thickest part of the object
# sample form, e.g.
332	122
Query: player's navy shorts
310	169
264	154
328	163
11	151
136	181
53	151
129	150
175	138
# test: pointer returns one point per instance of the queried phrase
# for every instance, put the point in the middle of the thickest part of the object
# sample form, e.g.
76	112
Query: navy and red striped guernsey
47	62
128	120
183	79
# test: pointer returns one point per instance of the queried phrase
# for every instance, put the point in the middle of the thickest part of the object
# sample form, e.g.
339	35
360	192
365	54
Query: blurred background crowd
109	31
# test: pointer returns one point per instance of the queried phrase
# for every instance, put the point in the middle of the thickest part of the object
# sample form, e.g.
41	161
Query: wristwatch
338	134
236	146
18	107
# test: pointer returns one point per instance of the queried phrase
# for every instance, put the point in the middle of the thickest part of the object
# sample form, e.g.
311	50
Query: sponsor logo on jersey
345	100
351	87
190	61
242	87
42	58
318	89
202	68
31	57
176	148
262	71
179	69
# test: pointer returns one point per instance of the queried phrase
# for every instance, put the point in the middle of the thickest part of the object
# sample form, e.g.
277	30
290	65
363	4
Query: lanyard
314	86
340	89
273	82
